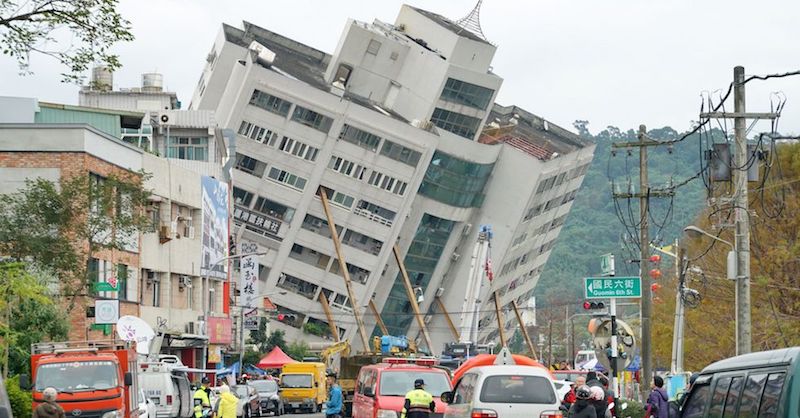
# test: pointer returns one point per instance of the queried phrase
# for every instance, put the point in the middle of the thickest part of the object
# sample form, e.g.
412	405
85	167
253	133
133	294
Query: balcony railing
372	217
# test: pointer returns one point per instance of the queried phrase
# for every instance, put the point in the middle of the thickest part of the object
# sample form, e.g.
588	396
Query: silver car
269	399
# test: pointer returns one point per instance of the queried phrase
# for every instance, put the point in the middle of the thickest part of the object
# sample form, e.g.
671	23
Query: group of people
226	404
589	398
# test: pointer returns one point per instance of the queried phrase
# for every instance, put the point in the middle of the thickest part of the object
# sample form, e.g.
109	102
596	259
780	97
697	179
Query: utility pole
742	242
644	195
740	206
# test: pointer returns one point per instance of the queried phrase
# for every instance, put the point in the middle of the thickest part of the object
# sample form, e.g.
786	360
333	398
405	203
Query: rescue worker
333	407
419	403
201	399
227	403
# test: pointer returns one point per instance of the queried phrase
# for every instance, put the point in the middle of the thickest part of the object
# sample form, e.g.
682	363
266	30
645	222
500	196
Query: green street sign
612	287
104	287
607	265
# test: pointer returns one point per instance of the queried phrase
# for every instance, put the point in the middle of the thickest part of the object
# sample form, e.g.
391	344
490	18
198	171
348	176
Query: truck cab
94	379
303	387
381	388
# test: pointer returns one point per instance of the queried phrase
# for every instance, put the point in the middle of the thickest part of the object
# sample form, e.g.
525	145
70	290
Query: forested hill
593	227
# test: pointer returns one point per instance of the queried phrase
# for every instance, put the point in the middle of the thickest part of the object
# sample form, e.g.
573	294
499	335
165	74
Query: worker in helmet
202	402
419	403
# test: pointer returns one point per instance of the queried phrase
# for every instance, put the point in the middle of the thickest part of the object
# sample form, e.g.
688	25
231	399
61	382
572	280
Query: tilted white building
399	126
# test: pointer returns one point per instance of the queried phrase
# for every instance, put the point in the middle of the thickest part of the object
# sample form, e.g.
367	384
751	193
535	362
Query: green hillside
593	227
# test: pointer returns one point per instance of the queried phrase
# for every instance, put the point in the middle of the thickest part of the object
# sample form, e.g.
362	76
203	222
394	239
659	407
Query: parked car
248	400
269	399
503	391
763	384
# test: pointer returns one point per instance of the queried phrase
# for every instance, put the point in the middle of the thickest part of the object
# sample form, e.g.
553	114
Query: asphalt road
314	415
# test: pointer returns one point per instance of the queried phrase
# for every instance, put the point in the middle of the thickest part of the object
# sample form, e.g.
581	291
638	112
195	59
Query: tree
298	350
276	339
89	27
67	224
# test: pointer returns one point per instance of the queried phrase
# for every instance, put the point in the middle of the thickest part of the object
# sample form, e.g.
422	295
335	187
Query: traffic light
591	305
287	318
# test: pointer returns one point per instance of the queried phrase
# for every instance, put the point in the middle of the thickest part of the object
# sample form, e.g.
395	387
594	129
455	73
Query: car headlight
114	414
386	413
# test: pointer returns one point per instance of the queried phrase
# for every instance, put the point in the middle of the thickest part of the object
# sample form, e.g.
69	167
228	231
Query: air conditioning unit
164	234
466	229
439	292
183	282
190	328
151	277
455	256
428	319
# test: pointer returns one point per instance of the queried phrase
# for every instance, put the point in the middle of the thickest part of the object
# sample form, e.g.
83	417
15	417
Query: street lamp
241	322
696	232
731	269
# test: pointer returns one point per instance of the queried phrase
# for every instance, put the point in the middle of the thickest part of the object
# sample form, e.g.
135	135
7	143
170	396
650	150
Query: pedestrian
582	408
571	396
333	407
226	406
598	400
658	401
419	403
49	408
202	401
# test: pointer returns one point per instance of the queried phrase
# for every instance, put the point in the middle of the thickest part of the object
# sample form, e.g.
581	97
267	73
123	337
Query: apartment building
417	161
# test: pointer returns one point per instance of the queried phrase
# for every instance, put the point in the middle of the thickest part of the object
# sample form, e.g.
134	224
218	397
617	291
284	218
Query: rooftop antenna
472	21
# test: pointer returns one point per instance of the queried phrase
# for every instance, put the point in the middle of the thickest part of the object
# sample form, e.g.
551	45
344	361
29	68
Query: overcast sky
612	62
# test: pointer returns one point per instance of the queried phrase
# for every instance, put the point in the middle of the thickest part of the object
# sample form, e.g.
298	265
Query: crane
480	270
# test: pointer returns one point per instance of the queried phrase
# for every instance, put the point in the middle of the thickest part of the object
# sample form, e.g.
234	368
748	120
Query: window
733	397
250	165
312	119
461	125
298	149
718	399
343	74
297	285
257	133
375	213
468	94
270	103
398	383
772	395
358	137
122	282
94	274
184	148
696	405
348	168
242	197
343	199
287	178
752	395
400	153
465	390
455	182
274	209
387	183
373	47
156	293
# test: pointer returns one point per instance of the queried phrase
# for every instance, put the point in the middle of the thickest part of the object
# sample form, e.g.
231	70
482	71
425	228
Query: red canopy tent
275	359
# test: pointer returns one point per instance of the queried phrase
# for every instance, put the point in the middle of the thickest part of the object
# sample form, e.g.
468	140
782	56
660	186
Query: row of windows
454	181
258	133
351	238
183	148
550	204
558	179
346	167
298	149
300	115
370	141
468	94
387	183
757	395
461	125
287	178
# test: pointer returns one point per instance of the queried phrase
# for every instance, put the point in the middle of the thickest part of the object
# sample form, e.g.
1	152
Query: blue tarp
635	365
232	369
254	370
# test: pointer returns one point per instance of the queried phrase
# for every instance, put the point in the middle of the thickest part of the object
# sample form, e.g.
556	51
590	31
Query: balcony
309	256
373	217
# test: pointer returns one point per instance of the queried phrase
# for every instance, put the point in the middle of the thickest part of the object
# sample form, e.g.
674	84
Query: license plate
295	405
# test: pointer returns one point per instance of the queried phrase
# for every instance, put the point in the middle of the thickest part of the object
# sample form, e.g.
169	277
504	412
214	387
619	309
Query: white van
168	389
503	391
583	357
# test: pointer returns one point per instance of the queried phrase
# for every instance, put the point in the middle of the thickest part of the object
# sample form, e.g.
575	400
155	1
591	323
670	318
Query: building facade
420	162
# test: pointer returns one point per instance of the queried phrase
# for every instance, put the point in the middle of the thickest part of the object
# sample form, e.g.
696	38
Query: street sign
612	287
251	320
607	265
105	287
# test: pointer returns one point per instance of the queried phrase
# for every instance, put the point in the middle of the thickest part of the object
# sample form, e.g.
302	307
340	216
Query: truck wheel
319	408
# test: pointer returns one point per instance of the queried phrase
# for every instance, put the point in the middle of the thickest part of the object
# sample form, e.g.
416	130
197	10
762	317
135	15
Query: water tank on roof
152	82
102	78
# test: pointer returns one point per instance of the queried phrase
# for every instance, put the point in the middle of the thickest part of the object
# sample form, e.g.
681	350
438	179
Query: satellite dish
132	328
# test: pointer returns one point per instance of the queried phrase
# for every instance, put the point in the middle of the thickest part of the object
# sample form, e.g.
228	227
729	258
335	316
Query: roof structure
453	26
529	133
472	21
